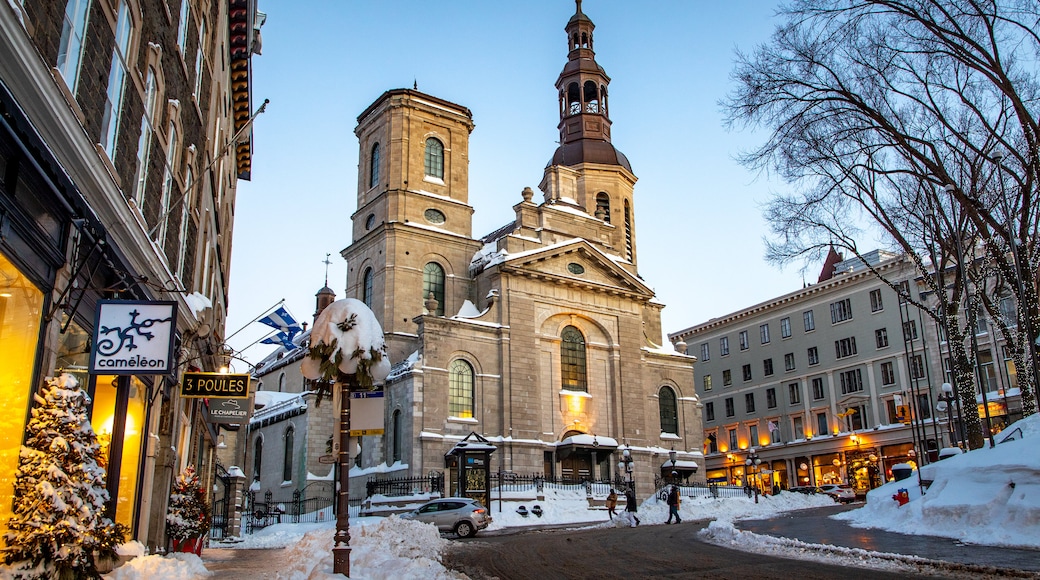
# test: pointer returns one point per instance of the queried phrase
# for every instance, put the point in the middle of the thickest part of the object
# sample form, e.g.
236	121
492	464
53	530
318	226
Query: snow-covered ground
987	496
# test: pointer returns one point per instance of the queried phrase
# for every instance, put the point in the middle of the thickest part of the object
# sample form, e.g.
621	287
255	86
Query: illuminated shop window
109	428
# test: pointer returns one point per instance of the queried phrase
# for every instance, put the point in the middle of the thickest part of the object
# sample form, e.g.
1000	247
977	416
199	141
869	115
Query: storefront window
103	418
21	304
73	351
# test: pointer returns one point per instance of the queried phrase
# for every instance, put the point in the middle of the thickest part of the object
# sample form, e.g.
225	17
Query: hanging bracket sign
215	385
133	337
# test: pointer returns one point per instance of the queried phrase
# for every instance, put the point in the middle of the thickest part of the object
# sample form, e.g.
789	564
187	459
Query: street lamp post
752	462
675	471
946	399
625	466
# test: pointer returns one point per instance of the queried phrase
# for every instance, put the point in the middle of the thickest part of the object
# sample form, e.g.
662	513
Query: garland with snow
346	345
58	527
188	514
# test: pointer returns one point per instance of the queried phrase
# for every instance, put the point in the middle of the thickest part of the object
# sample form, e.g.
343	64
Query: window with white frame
845	347
821	423
144	141
727	378
817	388
70	46
875	300
814	355
888	373
169	182
709	411
916	367
767	367
744	342
794	393
200	60
789	361
1008	311
808	321
733	439
753	434
749	403
771	397
706	382
433	159
724	346
117	73
747	372
851	381
730	411
460	389
182	233
763	333
841	311
881	337
910	330
705	352
785	327
182	26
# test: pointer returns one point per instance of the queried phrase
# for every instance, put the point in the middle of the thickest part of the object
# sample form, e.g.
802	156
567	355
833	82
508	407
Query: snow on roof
198	302
468	310
267	398
586	439
353	328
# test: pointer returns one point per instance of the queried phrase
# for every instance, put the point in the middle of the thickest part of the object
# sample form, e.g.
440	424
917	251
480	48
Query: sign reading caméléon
215	385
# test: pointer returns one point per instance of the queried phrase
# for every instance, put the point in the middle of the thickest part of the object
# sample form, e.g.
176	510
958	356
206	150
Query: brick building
124	128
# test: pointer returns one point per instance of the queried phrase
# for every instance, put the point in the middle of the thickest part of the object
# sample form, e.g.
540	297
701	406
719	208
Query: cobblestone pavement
259	564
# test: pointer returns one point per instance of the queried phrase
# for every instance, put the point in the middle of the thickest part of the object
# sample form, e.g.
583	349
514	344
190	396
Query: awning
680	465
597	445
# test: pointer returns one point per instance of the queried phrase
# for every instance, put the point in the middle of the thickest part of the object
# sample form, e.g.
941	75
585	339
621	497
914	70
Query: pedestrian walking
673	505
611	503
630	503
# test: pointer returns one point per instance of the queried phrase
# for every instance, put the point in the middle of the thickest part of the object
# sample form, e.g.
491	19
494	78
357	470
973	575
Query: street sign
366	413
234	411
215	385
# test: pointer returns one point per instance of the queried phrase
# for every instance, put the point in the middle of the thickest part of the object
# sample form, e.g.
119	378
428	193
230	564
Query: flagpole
262	314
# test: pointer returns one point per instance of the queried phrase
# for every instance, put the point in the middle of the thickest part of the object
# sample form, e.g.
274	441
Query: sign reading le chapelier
133	337
215	385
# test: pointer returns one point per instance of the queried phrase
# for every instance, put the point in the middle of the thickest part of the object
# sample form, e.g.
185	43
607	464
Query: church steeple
584	113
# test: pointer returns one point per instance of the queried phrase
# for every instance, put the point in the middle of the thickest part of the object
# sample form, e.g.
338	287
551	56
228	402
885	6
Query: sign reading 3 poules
215	385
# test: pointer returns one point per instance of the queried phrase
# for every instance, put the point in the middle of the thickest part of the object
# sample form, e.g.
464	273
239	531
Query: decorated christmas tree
58	527
187	519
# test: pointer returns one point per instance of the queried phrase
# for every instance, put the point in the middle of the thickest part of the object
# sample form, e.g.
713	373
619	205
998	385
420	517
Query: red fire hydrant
902	496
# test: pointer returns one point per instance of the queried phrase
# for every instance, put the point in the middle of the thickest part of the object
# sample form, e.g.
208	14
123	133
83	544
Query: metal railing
401	486
298	509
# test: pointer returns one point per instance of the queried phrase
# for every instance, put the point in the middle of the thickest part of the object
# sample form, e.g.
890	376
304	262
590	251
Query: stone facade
504	303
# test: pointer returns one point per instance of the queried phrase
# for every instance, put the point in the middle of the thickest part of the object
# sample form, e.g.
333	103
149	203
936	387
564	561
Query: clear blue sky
698	214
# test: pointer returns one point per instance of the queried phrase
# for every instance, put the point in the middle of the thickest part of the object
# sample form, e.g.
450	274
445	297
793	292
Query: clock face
575	268
434	216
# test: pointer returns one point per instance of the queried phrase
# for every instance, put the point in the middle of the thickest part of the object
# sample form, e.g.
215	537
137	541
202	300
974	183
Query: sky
970	500
698	216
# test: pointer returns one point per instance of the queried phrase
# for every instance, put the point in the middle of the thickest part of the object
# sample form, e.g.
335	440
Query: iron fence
298	509
401	486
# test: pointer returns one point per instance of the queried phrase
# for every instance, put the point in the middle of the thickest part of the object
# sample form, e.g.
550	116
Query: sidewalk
258	564
816	527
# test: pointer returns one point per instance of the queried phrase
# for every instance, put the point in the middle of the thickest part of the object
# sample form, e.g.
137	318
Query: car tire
465	530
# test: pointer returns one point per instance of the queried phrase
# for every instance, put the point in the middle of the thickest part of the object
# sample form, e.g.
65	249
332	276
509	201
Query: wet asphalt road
815	526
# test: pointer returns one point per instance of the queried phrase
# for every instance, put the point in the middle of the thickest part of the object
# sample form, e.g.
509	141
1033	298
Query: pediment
579	263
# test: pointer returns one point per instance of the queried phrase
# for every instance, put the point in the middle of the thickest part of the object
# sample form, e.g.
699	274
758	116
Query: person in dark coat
611	503
630	504
673	505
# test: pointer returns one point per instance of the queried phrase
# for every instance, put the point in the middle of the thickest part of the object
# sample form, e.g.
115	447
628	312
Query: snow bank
172	567
986	496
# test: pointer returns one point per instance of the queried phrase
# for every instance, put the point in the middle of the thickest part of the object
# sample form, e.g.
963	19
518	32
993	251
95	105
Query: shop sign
215	385
234	411
133	337
366	413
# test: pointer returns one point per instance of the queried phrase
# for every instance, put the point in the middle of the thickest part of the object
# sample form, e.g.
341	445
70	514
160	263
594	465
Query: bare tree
913	121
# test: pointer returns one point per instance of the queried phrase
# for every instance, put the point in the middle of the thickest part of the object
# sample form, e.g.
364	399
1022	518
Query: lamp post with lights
625	466
751	463
946	399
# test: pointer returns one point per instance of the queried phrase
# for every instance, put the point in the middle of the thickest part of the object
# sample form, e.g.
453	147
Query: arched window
460	389
258	455
281	383
572	360
366	287
287	457
591	99
628	231
669	410
70	48
434	158
573	99
433	283
373	166
395	453
169	183
117	73
603	203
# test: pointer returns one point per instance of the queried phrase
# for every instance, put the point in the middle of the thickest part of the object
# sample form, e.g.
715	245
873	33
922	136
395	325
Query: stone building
124	129
540	336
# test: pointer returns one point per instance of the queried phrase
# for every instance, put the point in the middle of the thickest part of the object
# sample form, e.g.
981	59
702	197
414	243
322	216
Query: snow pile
173	567
392	548
198	302
985	496
351	337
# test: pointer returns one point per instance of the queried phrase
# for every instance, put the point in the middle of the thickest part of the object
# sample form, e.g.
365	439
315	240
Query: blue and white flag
280	338
282	321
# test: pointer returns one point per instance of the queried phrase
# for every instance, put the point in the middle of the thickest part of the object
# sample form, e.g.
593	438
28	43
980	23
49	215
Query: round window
434	216
370	221
575	268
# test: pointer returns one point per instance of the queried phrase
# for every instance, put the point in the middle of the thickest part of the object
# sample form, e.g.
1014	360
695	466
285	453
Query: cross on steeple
327	264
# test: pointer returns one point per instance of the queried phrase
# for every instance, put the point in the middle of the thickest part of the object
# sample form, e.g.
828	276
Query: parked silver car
461	515
840	493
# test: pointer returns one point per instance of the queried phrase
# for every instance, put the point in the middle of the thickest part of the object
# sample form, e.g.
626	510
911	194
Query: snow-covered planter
58	529
187	518
346	346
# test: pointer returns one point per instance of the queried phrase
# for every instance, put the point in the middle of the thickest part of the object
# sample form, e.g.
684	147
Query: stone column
235	491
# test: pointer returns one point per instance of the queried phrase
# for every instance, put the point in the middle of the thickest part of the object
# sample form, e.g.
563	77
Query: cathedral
540	336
